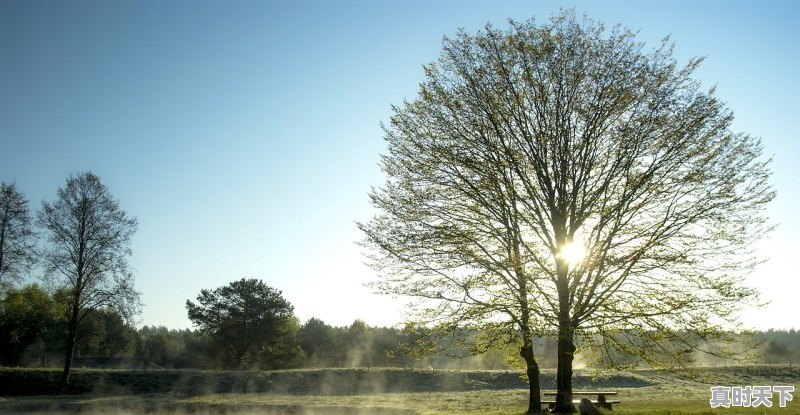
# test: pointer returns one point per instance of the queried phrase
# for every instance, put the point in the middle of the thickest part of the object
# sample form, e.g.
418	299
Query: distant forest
31	334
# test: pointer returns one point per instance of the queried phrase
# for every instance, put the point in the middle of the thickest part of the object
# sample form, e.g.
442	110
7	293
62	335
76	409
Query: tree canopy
28	315
249	323
561	178
17	239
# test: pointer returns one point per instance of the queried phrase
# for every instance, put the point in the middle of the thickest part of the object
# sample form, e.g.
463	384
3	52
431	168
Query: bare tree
17	239
89	242
563	175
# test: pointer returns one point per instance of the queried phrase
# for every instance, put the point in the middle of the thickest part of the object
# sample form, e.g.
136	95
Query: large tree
17	239
561	174
87	253
249	324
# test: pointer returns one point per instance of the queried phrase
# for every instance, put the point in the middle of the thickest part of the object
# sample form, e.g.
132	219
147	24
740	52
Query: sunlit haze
245	135
573	252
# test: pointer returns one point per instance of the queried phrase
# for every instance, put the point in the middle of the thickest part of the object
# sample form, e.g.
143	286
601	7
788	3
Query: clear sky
245	135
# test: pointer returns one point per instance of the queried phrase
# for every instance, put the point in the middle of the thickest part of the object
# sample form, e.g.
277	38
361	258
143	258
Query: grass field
362	391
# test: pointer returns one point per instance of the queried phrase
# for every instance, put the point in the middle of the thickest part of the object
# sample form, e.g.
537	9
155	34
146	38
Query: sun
572	252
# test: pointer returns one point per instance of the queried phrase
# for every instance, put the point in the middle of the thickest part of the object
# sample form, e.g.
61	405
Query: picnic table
601	400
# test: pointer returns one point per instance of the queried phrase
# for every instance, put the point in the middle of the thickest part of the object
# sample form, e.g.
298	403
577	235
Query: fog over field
380	391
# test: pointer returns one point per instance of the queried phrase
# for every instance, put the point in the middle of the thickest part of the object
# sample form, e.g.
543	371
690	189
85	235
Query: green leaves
522	139
246	320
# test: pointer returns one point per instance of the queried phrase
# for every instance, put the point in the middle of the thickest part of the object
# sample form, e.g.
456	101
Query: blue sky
245	135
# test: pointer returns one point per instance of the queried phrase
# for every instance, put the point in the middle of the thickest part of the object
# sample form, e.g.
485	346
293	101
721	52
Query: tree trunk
566	347
71	340
535	399
2	242
566	354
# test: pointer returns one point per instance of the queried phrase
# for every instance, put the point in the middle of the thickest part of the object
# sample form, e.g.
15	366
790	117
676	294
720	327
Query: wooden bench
601	400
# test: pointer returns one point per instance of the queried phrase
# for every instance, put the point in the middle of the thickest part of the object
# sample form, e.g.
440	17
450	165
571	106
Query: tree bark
71	340
535	399
566	347
566	354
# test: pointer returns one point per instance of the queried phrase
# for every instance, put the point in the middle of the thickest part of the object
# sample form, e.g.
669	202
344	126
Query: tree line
32	334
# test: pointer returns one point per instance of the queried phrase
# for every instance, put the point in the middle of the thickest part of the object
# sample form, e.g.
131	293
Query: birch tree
89	238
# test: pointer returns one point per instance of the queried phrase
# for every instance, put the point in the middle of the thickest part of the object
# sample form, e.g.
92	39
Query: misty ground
363	391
